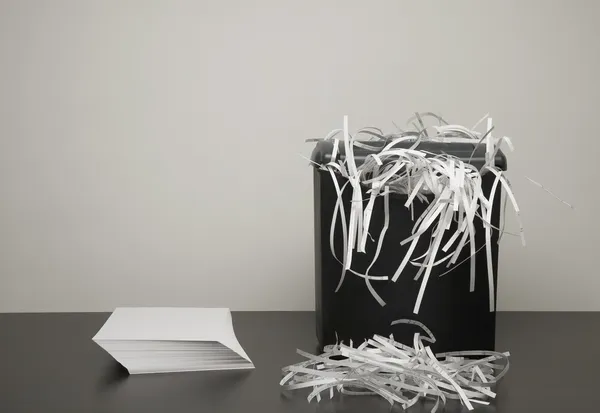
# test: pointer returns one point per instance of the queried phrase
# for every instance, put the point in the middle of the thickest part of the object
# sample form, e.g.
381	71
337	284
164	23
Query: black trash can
459	319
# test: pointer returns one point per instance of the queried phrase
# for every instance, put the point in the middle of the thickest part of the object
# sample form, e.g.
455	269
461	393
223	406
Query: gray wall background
149	149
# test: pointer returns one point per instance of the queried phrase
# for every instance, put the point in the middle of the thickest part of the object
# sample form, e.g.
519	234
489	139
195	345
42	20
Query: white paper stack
160	340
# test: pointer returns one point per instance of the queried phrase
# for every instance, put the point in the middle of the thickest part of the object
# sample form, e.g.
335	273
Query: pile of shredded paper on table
399	373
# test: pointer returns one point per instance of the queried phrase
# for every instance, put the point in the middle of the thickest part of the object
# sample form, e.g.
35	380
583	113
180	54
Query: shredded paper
451	187
399	373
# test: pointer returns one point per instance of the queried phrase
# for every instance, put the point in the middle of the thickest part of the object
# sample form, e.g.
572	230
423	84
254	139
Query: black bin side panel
459	319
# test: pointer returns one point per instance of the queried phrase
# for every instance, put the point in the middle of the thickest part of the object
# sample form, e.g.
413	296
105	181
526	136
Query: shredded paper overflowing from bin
399	373
451	187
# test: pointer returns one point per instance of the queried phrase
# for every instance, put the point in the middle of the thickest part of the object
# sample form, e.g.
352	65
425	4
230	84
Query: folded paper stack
161	340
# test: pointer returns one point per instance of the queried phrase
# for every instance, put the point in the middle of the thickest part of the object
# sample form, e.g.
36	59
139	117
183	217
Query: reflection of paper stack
160	340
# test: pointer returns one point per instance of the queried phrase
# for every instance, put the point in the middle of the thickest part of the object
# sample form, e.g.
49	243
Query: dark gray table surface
48	363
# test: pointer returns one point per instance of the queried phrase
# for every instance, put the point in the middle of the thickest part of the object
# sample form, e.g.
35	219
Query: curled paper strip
451	186
399	373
